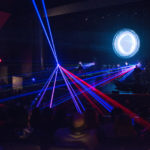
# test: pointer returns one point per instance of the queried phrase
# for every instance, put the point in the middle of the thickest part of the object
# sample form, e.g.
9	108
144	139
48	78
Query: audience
77	134
66	128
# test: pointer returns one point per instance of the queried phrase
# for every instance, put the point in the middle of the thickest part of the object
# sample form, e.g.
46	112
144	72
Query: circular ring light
126	43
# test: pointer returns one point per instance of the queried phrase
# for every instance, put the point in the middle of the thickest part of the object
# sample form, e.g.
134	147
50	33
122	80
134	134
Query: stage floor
111	87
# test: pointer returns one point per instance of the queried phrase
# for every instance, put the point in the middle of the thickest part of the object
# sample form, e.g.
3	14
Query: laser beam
42	24
137	118
73	98
46	87
51	101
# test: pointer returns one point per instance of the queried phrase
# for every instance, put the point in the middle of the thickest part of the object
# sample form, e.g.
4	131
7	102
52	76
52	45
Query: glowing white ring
134	41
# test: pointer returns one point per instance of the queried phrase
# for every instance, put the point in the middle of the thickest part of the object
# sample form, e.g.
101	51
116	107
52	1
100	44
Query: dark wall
19	43
88	35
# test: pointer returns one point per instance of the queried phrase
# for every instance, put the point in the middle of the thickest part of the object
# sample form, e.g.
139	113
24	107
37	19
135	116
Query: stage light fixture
33	79
126	63
126	43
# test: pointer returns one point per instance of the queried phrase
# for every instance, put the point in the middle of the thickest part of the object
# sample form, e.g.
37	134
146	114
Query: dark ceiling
13	6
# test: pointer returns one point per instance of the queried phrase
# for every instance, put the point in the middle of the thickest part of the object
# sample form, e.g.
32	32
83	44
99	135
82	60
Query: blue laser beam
68	98
116	75
39	94
49	28
52	96
106	70
46	87
126	75
49	42
73	98
75	94
99	99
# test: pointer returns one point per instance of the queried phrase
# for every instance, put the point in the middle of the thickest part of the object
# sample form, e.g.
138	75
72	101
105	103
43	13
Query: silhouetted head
78	121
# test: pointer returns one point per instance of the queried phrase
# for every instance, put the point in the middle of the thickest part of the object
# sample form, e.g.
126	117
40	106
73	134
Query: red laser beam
101	81
86	96
137	118
113	77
